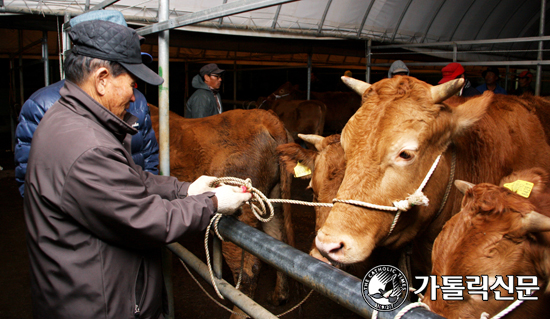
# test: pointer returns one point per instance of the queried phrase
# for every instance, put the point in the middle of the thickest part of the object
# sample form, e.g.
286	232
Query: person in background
398	67
96	222
491	76
206	100
145	147
525	78
453	71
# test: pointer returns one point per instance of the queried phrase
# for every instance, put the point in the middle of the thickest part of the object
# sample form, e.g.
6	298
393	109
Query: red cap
525	74
451	71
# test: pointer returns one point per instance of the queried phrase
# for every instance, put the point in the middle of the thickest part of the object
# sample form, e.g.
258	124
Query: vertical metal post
186	94
21	86
541	33
455	52
164	136
308	75
235	82
46	58
369	48
12	101
164	98
506	78
66	45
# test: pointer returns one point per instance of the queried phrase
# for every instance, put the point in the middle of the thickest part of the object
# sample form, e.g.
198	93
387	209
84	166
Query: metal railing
331	282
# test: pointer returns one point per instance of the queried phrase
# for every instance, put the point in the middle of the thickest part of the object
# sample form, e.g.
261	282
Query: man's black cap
491	69
211	68
112	42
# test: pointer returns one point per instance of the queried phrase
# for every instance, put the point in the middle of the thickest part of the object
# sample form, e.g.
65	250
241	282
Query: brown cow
392	142
327	164
241	144
340	105
497	232
298	116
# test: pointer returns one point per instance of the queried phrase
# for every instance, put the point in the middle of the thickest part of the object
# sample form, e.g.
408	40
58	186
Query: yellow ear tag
522	188
301	170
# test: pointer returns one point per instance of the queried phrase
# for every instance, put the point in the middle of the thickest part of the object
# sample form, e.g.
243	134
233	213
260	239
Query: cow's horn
463	186
444	91
316	140
358	86
534	222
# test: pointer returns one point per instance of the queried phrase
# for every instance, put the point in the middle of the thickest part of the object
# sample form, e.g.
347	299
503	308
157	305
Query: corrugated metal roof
382	21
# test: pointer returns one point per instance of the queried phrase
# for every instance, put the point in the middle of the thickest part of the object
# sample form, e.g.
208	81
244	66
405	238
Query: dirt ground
189	300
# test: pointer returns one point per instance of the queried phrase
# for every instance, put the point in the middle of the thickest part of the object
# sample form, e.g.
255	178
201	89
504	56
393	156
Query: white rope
410	306
415	199
260	198
504	311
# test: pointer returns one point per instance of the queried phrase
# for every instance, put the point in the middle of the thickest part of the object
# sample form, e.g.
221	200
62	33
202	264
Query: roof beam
209	14
276	17
324	17
103	5
400	20
432	21
365	18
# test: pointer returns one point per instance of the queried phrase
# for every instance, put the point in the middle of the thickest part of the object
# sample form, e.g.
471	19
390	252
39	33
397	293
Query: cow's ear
468	113
290	154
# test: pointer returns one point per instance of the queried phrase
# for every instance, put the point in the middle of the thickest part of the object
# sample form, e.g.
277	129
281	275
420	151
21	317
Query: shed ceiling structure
336	33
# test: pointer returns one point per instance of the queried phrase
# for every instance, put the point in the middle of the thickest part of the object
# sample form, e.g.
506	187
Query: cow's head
327	164
390	144
497	232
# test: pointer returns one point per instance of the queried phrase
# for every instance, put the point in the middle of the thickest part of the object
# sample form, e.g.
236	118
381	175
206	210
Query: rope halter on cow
415	199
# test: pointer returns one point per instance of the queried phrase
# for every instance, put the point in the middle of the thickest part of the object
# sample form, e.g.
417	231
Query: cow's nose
328	248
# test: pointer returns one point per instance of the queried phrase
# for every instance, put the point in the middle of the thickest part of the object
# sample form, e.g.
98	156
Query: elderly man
206	100
95	220
145	149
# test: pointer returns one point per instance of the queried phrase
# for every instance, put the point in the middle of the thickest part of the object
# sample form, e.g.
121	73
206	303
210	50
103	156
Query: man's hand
201	185
230	198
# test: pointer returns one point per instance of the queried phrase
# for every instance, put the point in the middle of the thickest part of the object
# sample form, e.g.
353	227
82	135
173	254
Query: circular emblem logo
385	288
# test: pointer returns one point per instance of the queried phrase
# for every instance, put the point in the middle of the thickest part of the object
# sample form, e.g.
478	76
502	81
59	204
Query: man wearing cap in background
398	67
525	79
206	100
491	76
453	71
95	220
145	148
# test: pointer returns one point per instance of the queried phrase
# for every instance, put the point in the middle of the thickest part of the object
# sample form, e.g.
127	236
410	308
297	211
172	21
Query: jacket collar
74	98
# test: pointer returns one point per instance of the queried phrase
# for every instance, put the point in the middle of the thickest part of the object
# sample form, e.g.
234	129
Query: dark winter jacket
469	89
203	102
145	148
95	220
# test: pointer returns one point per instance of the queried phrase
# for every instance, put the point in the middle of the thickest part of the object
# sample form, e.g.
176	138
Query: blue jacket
499	89
145	148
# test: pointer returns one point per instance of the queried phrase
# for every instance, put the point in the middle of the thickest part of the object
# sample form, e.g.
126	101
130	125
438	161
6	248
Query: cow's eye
406	155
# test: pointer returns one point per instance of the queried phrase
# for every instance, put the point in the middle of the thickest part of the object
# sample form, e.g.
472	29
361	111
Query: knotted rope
260	212
415	199
504	312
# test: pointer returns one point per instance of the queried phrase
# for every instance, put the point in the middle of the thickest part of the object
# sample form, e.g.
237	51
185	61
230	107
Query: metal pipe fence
331	282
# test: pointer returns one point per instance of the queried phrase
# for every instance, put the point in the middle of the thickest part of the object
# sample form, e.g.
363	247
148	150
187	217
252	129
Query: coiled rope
261	214
415	199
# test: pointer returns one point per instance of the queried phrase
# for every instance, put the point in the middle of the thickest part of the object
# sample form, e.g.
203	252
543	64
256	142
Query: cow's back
237	143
